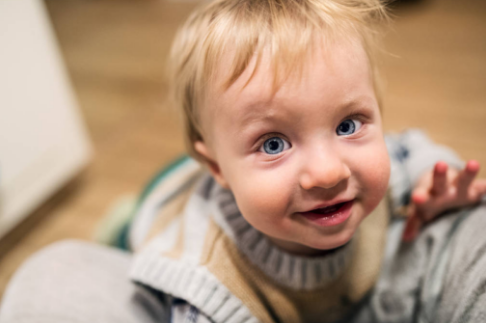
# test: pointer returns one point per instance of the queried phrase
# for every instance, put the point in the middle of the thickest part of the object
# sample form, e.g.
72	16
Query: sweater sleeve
412	153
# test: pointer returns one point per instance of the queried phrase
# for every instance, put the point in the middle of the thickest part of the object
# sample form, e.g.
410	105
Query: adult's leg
75	281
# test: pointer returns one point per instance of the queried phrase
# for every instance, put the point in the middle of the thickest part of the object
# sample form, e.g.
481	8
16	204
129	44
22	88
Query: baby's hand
442	189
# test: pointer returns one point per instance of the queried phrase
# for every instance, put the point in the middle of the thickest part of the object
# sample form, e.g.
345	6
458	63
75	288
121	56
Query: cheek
374	177
263	197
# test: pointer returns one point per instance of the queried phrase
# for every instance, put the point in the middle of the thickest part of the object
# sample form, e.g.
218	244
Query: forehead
331	78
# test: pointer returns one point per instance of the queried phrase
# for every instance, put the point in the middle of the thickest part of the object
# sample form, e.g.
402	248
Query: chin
329	244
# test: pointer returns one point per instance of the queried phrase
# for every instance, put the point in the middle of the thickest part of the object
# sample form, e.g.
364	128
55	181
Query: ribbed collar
291	271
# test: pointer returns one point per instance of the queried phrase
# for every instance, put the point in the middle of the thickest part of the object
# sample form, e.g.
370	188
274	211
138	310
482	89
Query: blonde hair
288	27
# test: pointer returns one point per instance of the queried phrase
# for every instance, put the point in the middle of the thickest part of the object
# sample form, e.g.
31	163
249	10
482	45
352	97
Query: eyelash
355	116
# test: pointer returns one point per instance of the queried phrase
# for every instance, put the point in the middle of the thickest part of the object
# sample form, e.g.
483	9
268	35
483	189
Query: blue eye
348	127
275	145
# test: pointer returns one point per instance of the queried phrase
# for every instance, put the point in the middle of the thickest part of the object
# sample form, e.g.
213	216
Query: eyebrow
250	112
254	112
357	106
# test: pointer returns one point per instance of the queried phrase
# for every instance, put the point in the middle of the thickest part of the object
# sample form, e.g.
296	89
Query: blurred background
106	60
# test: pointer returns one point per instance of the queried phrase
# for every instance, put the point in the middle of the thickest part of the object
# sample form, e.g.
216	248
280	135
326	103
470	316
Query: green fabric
115	227
159	177
108	230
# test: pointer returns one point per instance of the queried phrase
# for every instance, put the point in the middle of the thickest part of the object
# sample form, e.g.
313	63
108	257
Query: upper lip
327	204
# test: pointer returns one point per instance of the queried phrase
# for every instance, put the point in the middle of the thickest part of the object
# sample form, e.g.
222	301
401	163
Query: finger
420	196
466	177
477	189
439	178
412	228
421	206
480	185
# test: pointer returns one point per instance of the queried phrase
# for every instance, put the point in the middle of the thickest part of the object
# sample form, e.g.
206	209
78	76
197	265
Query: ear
211	163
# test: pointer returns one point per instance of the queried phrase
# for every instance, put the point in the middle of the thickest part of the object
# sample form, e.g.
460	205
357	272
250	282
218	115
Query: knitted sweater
193	244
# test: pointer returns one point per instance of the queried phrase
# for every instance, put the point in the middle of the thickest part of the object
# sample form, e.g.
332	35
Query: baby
291	212
281	104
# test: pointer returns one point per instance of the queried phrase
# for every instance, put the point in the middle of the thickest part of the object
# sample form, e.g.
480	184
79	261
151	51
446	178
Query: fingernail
473	165
441	167
418	198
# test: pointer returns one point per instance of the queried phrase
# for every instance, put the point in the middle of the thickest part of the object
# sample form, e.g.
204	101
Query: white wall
43	142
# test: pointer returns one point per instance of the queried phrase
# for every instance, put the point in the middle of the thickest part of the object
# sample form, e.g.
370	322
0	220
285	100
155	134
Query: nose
323	169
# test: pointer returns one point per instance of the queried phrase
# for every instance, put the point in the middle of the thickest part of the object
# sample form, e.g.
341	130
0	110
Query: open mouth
329	209
330	215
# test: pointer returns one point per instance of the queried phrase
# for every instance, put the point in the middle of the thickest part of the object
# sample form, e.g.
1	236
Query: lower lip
330	219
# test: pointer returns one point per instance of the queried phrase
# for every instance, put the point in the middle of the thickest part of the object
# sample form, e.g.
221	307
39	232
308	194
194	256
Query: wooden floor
115	53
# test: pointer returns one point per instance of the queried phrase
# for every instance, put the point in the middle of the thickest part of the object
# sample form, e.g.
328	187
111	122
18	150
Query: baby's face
307	164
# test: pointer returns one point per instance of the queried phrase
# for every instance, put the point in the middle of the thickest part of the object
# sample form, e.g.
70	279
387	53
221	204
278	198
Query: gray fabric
412	153
74	281
464	296
440	277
